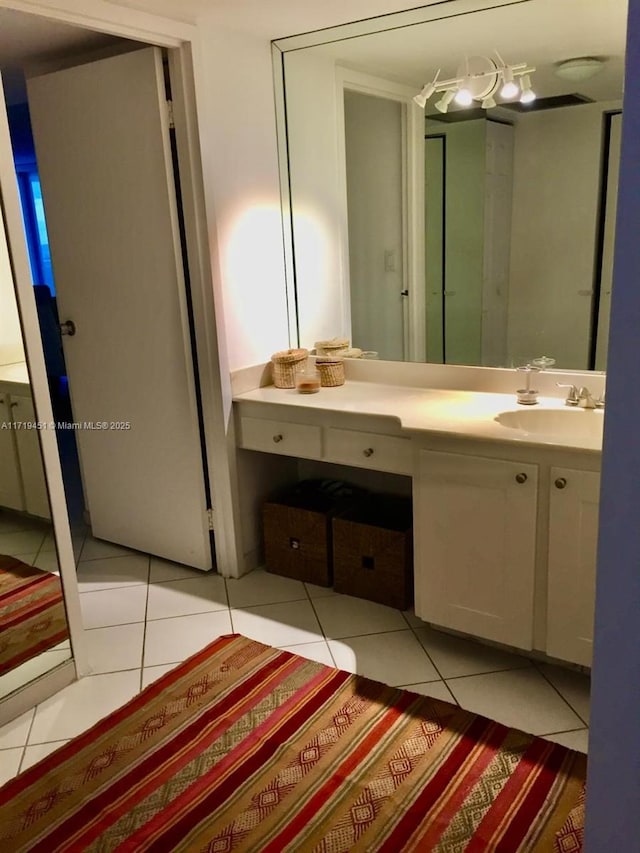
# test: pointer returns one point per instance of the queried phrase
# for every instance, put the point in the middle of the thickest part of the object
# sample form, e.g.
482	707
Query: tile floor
144	615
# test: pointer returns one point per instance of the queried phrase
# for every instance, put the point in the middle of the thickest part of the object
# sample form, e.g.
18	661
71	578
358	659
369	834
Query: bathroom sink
570	425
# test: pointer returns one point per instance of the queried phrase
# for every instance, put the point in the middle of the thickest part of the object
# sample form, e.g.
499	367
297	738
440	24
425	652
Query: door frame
182	41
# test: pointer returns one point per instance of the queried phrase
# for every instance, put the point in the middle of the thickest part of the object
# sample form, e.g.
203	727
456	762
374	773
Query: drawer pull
521	478
368	452
278	438
560	483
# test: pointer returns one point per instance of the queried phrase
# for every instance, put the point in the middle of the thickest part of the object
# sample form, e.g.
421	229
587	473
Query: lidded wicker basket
284	365
333	348
331	372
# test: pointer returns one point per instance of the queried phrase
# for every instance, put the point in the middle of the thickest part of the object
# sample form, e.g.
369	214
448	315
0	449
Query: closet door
104	155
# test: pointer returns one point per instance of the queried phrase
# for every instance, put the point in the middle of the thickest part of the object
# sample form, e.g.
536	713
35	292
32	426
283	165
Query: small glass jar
308	379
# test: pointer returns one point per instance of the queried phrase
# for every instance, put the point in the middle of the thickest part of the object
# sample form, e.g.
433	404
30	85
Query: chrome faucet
581	398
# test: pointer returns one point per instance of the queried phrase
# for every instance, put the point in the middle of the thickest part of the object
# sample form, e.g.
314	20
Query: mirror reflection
34	636
454	234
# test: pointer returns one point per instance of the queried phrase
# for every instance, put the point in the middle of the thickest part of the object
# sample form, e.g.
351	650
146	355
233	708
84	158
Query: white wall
556	186
317	200
11	349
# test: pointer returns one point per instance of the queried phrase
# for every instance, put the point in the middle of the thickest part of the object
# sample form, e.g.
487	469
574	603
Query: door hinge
172	123
210	518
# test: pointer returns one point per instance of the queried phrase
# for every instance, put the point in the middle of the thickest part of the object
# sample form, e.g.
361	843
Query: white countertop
464	414
15	374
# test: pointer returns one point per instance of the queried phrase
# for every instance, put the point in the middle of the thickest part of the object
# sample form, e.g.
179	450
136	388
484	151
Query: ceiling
30	41
539	32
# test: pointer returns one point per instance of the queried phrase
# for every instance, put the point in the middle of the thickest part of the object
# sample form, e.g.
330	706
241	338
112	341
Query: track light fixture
478	80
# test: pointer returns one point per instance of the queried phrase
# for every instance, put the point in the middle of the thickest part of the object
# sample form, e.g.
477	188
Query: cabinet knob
278	438
368	452
521	477
560	483
13	404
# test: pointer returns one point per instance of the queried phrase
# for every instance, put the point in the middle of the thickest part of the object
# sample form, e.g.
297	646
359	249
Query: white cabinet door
573	540
11	495
30	458
475	536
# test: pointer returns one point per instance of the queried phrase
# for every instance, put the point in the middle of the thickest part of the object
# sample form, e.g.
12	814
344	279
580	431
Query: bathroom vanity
505	497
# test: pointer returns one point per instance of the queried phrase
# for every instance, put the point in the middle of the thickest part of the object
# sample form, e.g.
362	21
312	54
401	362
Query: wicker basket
333	348
331	372
284	366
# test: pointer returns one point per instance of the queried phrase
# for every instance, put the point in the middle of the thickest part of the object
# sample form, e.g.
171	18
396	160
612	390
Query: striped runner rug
249	748
32	615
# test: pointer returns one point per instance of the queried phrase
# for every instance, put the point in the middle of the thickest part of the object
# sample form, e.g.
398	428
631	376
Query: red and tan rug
248	748
32	615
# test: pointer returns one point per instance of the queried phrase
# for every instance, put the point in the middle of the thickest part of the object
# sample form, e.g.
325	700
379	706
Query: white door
475	538
103	149
573	543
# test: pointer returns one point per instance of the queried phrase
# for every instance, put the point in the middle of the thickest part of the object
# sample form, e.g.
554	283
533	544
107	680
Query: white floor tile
48	543
21	542
413	620
455	656
434	689
113	606
174	640
81	704
185	597
394	658
9	763
520	698
152	673
572	740
15	733
115	649
165	570
112	572
261	587
30	669
47	561
38	751
346	616
313	651
316	591
574	687
13	522
96	549
285	624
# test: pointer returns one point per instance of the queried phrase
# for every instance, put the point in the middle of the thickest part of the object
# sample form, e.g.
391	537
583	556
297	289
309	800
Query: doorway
129	511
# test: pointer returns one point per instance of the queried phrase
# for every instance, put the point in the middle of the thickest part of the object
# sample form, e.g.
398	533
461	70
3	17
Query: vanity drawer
281	437
369	450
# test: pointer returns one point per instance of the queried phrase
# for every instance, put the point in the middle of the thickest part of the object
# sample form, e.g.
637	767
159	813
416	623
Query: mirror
34	635
467	237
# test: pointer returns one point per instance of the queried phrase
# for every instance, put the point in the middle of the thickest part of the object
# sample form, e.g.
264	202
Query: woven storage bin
331	372
284	366
297	530
373	551
333	348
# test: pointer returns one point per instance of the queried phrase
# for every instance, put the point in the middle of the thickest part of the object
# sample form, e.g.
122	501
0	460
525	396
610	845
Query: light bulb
463	97
528	95
509	89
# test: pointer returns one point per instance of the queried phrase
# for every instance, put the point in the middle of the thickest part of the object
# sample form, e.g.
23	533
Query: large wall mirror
476	235
34	632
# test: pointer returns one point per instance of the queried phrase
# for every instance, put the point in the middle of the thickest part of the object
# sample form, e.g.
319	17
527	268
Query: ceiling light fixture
443	104
478	79
428	89
528	95
580	68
